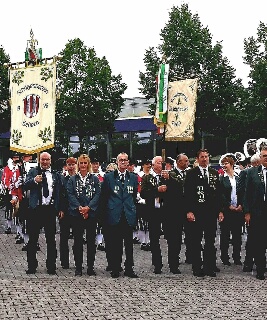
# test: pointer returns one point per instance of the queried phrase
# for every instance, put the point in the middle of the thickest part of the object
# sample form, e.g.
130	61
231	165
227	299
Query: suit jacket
201	195
149	189
254	192
79	195
119	198
36	188
174	201
241	185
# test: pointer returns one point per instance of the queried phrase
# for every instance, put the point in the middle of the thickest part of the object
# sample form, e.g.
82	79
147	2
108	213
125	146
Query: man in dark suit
118	193
174	211
203	202
154	187
44	206
255	209
240	191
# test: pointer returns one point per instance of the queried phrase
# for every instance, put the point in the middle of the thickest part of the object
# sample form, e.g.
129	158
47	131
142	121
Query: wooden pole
163	155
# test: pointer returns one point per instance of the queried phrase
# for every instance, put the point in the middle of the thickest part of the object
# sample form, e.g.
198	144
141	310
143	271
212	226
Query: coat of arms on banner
31	105
33	100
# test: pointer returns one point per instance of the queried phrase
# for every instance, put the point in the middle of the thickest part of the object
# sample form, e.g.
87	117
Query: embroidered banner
33	100
181	110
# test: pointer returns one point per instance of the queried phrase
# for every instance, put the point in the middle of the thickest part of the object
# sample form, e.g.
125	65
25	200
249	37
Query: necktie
122	178
45	184
205	174
183	173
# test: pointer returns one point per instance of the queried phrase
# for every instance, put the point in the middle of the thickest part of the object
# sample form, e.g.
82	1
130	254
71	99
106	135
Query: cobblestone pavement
232	295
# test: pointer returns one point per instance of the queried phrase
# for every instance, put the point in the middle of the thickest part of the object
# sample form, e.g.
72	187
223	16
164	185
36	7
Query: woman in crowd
233	215
83	193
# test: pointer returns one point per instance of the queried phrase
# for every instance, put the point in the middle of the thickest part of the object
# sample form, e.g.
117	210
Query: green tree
256	58
188	49
90	96
5	114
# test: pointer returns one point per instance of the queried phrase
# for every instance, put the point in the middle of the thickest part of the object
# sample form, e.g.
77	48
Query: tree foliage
90	96
188	49
4	92
256	103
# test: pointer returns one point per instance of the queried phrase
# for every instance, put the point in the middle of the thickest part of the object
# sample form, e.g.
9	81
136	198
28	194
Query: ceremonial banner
181	110
162	94
33	100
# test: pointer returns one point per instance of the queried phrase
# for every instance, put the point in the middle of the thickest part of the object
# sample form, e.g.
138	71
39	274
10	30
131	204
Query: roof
135	124
5	135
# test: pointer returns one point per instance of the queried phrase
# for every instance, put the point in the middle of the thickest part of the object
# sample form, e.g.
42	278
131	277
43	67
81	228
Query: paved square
232	295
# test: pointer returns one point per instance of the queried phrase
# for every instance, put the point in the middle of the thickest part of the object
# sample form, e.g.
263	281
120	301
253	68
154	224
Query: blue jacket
36	189
87	195
119	198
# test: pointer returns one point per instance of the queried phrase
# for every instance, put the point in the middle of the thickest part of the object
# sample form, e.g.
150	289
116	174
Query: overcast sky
122	30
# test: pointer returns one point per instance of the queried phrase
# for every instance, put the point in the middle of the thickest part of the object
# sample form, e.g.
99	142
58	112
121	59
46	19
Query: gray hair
155	158
255	157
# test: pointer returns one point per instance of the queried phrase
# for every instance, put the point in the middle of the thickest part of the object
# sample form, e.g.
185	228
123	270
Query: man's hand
247	218
38	178
221	217
60	215
191	217
162	188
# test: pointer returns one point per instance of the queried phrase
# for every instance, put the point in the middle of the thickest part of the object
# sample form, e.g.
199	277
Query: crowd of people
113	209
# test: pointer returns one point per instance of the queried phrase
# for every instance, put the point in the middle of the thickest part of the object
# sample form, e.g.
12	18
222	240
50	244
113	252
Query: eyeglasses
83	162
123	160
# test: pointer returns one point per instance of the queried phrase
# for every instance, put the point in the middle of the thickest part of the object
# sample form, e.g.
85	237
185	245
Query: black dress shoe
130	274
19	241
101	247
115	274
31	271
157	270
211	274
65	266
216	269
136	241
25	247
237	262
199	273
51	271
71	235
260	276
91	272
247	269
226	263
8	231
143	246
175	271
78	272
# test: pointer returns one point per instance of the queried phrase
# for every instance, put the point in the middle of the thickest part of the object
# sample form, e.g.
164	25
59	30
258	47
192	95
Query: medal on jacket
200	194
130	189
